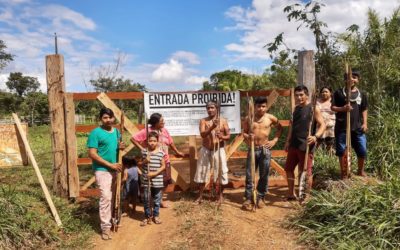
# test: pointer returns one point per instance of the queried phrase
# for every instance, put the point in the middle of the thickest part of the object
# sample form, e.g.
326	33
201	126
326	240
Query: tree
22	85
5	57
36	106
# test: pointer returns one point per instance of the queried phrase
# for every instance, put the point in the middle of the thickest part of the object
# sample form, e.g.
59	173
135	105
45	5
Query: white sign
182	111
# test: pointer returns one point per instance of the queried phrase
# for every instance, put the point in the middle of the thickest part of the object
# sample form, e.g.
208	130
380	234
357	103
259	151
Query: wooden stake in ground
117	205
37	171
252	153
346	158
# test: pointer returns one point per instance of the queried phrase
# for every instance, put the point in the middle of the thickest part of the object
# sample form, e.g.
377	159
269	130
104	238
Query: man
358	108
261	129
213	129
299	137
103	144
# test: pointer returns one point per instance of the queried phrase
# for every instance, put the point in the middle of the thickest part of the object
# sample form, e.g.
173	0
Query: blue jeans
156	194
263	160
358	142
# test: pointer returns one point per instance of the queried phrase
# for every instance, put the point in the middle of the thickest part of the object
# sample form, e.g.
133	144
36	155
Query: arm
246	128
178	153
364	126
95	157
321	127
226	134
289	136
125	177
137	144
159	171
279	129
206	132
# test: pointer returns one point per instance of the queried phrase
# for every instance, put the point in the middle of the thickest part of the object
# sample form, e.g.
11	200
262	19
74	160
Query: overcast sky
169	45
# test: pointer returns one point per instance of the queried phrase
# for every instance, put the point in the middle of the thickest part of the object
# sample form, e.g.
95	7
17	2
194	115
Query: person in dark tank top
298	138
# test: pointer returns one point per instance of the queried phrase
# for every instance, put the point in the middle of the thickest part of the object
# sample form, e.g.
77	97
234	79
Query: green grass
26	221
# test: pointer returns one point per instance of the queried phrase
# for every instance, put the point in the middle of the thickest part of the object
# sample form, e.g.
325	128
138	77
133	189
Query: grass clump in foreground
352	215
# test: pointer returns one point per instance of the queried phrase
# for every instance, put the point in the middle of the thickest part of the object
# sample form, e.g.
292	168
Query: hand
116	166
214	123
121	145
179	154
145	161
286	147
270	144
347	108
151	175
364	128
312	139
218	134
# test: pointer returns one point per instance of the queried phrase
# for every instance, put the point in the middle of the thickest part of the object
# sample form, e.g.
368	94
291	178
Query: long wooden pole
37	170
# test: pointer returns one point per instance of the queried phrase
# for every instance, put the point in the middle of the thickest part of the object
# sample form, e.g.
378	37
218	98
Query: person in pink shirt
157	123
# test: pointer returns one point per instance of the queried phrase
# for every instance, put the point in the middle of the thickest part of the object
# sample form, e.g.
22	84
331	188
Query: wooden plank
177	178
193	160
55	93
281	92
88	128
272	97
88	183
37	170
306	70
234	145
71	146
243	154
84	161
129	126
112	95
278	168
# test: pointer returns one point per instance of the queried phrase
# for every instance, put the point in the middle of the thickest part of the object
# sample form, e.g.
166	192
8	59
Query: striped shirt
155	165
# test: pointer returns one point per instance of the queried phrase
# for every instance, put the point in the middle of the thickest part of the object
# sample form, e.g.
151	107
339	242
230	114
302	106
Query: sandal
106	234
157	220
145	222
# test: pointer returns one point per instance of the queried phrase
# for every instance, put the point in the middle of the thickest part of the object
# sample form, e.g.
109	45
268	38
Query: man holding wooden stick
358	108
299	137
214	133
258	131
103	143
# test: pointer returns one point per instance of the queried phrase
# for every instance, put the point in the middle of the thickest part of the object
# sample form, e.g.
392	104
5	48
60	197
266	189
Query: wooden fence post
72	155
55	90
306	70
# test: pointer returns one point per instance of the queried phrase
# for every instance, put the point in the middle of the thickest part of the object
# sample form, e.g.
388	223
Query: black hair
354	72
325	87
301	88
129	160
212	103
260	100
107	111
154	119
153	134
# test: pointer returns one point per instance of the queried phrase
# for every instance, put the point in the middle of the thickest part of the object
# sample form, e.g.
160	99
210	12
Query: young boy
358	122
298	138
212	133
152	169
103	144
131	184
262	124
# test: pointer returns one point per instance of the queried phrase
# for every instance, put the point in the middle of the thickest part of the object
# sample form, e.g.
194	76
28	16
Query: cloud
264	20
168	72
196	80
27	30
187	56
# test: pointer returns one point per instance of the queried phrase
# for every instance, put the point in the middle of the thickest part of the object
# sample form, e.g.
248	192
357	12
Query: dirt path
189	226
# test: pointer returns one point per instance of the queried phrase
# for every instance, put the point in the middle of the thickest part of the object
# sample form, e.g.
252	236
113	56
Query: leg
157	196
104	181
360	146
340	147
202	172
167	181
291	161
146	201
202	186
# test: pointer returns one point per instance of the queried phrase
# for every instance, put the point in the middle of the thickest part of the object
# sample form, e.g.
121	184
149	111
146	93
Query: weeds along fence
108	100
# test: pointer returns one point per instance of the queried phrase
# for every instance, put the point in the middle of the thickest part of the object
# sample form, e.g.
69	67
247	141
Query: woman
165	142
324	103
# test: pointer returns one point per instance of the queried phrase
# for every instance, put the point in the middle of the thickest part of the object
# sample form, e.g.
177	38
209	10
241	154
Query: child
131	184
261	129
152	169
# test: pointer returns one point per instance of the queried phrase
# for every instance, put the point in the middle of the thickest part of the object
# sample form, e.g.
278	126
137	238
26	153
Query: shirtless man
263	122
211	132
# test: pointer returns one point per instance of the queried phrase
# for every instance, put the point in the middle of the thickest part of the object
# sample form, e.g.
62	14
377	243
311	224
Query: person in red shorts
298	137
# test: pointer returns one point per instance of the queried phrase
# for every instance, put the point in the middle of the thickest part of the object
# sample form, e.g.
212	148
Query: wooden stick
37	170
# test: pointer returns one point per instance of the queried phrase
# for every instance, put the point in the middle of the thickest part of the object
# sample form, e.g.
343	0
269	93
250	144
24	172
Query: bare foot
362	174
164	204
199	200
